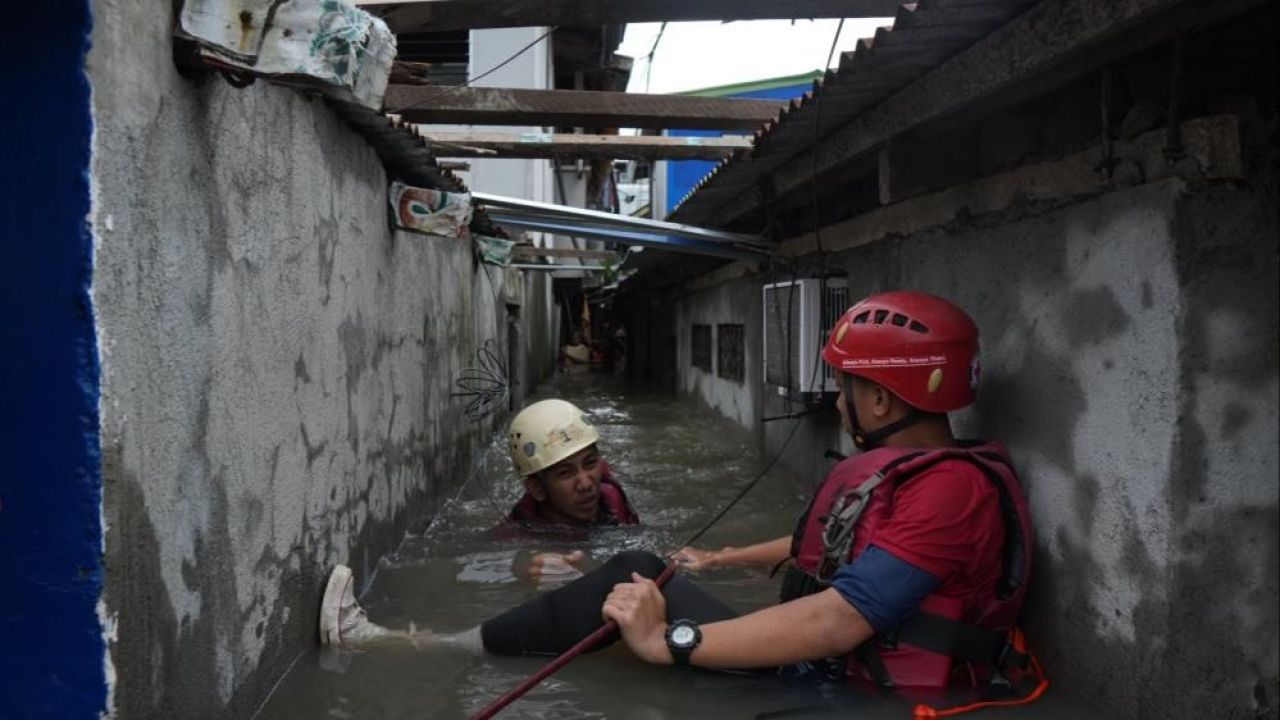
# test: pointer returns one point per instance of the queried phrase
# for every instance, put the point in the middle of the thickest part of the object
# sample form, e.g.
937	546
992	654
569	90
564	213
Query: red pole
563	659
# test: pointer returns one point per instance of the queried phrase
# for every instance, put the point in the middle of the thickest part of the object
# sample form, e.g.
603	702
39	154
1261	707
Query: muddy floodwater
679	464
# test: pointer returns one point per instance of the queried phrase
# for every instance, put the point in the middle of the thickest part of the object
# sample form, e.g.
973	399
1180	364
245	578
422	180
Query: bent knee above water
621	566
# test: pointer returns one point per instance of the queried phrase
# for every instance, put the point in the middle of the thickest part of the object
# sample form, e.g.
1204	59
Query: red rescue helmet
922	348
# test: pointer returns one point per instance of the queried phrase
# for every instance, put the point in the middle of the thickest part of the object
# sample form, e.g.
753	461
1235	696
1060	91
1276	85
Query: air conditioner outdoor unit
797	316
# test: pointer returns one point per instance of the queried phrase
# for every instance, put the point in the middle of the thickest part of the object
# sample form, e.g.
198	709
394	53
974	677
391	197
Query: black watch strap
683	636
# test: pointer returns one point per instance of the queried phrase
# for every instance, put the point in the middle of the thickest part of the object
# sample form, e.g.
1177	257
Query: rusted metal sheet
573	108
472	14
327	45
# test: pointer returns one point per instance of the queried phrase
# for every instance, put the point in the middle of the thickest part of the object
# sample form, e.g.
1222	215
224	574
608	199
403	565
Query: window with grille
700	347
729	352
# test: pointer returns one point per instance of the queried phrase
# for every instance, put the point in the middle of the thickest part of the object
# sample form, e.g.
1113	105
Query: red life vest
614	507
947	633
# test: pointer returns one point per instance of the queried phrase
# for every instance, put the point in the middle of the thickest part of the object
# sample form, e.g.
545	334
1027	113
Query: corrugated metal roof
406	154
923	36
402	150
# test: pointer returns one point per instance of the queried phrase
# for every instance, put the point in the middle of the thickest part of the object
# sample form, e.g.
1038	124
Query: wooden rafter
428	104
549	145
434	15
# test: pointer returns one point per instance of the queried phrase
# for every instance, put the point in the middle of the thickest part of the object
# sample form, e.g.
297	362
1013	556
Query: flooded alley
680	464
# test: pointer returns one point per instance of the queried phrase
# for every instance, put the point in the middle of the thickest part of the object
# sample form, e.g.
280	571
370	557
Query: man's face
572	486
866	398
842	404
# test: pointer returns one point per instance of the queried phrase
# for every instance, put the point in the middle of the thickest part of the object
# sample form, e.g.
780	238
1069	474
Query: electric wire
481	76
485	383
648	68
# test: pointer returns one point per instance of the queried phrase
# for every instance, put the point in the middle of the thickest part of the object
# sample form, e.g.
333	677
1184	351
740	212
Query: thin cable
813	200
485	383
648	68
741	493
834	41
481	76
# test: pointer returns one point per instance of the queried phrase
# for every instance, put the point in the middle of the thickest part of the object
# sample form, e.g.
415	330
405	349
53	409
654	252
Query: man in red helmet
910	564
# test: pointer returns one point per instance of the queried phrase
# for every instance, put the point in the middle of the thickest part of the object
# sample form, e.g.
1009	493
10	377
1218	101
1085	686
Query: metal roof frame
596	225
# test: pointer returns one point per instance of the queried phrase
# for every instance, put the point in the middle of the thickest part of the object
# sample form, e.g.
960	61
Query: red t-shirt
946	521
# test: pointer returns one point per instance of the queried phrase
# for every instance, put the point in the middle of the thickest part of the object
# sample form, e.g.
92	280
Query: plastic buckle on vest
826	569
887	640
1010	657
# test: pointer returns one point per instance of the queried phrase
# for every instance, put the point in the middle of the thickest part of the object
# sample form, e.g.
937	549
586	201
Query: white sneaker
342	620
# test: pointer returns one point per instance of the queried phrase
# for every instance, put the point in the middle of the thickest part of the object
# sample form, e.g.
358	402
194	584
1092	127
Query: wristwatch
682	637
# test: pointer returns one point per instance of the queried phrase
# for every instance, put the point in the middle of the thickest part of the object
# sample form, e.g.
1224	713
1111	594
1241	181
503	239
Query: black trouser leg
555	621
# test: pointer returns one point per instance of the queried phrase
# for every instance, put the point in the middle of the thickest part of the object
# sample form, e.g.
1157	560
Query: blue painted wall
682	175
51	645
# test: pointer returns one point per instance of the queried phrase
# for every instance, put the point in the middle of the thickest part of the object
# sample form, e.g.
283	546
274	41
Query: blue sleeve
883	588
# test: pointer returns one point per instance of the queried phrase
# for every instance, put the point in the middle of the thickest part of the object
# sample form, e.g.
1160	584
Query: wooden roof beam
457	105
549	145
433	15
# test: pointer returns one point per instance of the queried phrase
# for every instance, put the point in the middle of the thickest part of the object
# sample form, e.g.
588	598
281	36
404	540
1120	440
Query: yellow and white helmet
547	432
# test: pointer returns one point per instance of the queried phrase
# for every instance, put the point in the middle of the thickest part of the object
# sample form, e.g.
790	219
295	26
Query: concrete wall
529	179
734	303
1130	363
276	368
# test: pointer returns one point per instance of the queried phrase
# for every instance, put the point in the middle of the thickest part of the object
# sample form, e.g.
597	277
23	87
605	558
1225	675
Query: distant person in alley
907	570
576	355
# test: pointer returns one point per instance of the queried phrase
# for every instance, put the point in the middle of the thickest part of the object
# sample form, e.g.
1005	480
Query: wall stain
1235	417
300	371
326	233
1093	316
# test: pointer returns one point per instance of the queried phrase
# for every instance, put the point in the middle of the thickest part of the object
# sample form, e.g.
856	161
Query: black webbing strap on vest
961	640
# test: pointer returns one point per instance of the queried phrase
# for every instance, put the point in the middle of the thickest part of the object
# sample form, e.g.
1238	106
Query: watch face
682	635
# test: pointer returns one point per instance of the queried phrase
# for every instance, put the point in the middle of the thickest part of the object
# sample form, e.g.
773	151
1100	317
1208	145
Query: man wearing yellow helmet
566	480
567	483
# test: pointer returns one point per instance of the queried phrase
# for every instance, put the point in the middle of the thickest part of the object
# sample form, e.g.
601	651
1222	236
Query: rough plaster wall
1096	376
1225	487
736	302
537	333
276	368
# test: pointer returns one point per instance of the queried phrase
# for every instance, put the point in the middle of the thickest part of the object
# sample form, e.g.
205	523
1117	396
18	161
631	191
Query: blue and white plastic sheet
329	45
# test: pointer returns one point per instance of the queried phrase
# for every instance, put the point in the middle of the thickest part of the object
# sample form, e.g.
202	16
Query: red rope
564	658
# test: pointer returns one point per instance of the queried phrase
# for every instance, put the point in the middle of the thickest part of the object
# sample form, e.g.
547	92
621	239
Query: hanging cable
481	76
485	383
648	68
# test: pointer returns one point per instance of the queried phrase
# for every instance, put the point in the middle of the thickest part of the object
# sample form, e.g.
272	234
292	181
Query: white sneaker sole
331	605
